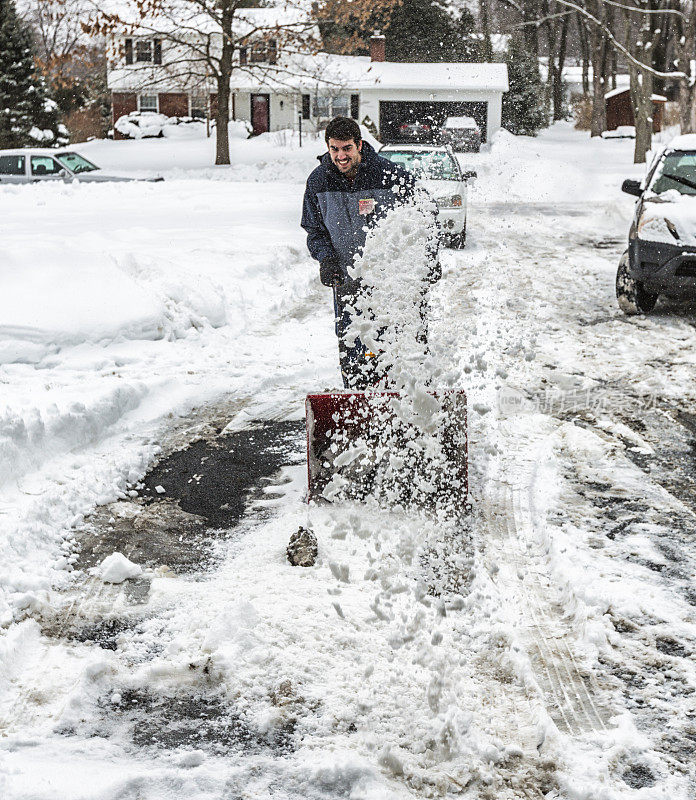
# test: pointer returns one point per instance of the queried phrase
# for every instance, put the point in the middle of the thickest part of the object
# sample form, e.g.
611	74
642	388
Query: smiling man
347	193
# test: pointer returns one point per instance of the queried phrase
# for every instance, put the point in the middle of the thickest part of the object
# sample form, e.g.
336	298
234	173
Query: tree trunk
557	85
222	132
687	106
599	113
687	87
222	118
598	55
486	46
641	99
585	54
530	13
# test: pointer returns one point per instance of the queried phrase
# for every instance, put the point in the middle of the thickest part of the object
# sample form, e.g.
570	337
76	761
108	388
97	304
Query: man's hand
329	271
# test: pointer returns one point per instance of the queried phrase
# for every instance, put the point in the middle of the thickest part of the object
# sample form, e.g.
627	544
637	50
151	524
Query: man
350	190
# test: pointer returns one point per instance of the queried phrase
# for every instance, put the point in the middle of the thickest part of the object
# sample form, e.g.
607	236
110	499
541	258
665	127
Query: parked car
419	131
661	255
438	170
462	134
32	165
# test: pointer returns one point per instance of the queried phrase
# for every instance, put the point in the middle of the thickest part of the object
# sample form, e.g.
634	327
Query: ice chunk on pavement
116	568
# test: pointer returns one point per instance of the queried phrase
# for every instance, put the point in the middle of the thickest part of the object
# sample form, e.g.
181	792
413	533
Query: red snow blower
358	444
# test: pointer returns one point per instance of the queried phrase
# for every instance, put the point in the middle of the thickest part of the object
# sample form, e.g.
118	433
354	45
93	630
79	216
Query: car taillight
456	201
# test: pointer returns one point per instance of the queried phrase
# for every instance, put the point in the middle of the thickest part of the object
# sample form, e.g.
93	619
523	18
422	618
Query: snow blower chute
377	442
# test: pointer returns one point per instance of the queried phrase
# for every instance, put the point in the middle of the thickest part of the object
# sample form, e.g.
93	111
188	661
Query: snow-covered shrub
150	124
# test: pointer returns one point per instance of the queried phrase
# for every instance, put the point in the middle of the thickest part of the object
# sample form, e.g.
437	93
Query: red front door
261	113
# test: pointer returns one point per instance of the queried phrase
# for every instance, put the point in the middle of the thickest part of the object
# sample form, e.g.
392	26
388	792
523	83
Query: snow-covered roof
685	142
359	72
393	75
624	89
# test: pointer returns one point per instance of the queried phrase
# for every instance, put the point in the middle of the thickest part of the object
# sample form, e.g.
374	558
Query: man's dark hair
343	128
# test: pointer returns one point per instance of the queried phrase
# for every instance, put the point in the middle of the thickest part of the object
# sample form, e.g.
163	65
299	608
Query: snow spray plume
403	449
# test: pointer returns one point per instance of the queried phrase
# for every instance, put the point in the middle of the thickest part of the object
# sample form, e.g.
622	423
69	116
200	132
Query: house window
261	52
340	106
143	51
148	102
322	106
305	106
328	107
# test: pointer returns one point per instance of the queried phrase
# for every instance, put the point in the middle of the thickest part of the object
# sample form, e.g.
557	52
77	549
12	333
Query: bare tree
61	44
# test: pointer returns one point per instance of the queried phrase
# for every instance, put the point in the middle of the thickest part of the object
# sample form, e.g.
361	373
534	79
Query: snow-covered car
418	131
33	165
437	169
661	255
461	133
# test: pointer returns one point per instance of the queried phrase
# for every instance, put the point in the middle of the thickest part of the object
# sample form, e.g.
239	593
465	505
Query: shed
620	110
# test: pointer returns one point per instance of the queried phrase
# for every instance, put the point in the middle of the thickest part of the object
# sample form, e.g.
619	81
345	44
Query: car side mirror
63	173
631	187
470	174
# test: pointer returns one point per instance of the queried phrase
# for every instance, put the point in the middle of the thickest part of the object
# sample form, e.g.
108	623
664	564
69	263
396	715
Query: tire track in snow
572	695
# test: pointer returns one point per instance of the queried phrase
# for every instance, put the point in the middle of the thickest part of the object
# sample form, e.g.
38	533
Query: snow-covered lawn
546	649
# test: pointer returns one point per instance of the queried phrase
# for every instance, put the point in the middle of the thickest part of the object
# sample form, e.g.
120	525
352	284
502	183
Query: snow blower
362	443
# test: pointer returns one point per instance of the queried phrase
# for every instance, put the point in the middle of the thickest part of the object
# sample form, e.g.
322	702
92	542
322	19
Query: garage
394	114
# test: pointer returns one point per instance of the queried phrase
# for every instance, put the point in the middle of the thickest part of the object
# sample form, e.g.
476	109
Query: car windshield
677	170
435	165
76	163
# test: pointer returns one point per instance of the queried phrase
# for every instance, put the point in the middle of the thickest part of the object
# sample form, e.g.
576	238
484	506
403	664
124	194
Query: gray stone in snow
302	549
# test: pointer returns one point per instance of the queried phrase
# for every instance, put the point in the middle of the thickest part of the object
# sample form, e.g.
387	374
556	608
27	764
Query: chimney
377	47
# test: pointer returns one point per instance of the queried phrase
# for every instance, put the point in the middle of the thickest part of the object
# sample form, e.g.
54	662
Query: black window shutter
355	106
158	51
129	51
305	106
242	55
272	51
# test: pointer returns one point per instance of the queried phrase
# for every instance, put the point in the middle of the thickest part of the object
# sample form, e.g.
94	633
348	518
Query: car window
44	165
425	164
676	171
12	165
76	163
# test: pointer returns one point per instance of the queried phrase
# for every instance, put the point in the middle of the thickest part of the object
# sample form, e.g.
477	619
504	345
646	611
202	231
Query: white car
462	133
32	165
437	169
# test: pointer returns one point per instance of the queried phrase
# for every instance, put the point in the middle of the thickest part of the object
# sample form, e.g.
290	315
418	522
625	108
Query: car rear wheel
458	240
632	296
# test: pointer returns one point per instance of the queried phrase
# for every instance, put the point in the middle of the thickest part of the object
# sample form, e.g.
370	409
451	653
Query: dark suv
661	255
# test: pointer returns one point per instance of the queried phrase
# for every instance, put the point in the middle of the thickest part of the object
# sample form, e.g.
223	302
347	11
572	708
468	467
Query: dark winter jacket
337	213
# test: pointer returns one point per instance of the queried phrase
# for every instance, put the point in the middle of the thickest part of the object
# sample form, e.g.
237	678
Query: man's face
345	155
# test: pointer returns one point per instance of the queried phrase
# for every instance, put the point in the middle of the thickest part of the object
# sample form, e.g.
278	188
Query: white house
273	90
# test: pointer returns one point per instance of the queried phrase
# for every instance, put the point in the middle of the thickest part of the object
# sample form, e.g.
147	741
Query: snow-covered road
546	649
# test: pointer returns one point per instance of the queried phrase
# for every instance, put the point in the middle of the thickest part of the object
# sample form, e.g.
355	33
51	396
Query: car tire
631	294
458	241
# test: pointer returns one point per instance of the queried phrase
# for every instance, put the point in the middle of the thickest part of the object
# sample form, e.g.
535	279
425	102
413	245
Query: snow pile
65	297
116	568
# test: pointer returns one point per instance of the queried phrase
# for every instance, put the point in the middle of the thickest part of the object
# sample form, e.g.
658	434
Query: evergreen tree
425	30
525	104
27	116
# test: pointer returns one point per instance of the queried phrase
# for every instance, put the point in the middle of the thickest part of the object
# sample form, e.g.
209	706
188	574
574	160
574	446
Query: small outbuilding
620	109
